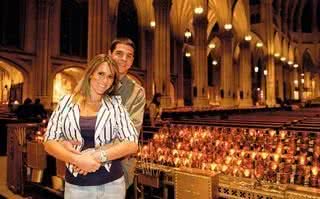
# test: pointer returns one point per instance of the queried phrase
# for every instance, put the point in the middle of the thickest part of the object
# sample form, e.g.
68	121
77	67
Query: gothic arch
25	70
240	19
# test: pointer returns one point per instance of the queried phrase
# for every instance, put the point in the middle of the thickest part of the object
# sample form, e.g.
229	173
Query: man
133	95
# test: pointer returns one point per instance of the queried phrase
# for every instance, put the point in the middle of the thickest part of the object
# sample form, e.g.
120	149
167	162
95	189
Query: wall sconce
212	46
265	72
187	34
198	10
152	24
214	62
290	62
248	37
256	69
188	54
295	65
283	59
277	54
259	44
227	26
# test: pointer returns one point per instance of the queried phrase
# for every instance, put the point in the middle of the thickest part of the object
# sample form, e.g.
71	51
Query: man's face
123	55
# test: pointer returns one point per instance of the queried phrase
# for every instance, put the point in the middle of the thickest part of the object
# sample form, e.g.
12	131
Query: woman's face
101	79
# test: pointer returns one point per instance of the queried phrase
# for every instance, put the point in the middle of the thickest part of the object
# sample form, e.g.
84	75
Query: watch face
103	156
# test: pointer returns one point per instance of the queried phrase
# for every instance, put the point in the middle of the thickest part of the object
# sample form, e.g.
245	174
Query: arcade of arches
228	53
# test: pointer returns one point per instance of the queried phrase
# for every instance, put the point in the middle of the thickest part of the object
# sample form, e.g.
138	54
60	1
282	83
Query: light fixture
258	89
214	62
283	59
212	45
188	54
187	34
259	44
152	24
295	82
290	62
227	26
277	54
295	65
302	81
248	37
302	74
198	10
265	72
256	69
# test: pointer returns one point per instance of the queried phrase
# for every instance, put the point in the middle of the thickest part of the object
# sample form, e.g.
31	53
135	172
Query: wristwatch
103	156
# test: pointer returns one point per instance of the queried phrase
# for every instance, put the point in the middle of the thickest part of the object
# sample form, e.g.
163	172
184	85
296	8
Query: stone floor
4	191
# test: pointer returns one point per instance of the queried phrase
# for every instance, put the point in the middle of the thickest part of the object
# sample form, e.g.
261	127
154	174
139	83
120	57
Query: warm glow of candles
213	166
224	168
272	133
276	157
231	152
314	170
246	172
302	160
274	166
253	155
283	134
264	155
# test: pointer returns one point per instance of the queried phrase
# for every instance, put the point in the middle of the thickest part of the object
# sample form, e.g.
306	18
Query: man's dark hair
122	40
37	101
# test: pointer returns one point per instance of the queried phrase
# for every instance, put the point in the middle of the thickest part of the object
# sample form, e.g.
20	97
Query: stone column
147	56
30	26
236	84
301	84
178	63
245	74
293	74
162	49
279	77
314	17
307	80
317	86
101	27
200	68
264	88
55	24
226	79
42	62
270	95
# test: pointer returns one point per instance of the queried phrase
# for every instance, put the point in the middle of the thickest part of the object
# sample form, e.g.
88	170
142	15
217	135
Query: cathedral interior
233	67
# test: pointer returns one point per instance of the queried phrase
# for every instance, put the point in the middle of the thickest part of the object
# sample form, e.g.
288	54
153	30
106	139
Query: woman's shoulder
115	100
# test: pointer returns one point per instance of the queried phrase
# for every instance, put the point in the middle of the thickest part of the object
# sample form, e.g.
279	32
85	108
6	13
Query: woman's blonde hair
82	90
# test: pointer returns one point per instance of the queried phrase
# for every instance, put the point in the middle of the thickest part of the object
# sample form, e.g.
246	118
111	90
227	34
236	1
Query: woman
93	116
155	110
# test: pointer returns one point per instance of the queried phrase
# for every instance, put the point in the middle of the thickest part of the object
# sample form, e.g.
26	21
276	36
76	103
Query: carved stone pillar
245	75
314	17
147	55
30	26
162	49
42	60
279	78
200	68
178	63
316	85
100	27
270	95
226	78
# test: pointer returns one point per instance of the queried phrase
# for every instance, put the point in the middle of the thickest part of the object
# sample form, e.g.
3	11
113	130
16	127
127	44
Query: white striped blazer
113	122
